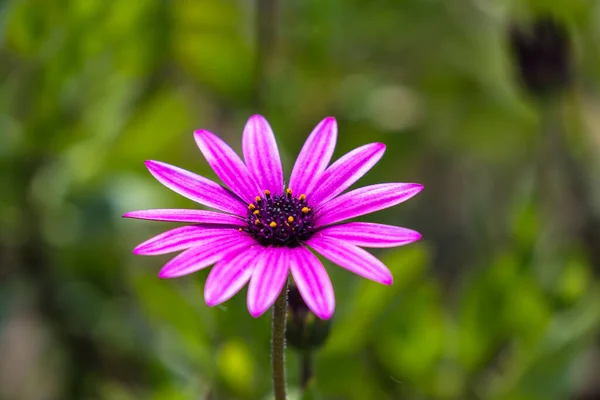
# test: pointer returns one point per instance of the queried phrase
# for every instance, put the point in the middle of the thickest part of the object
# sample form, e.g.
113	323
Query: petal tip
380	146
255	313
210	302
258	117
329	124
140	250
200	135
325	314
418	187
211	297
151	164
166	274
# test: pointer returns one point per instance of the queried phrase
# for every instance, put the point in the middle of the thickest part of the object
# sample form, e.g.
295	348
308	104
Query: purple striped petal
352	258
365	200
196	188
205	255
345	171
183	238
262	155
313	282
227	165
229	275
268	278
180	215
367	234
314	156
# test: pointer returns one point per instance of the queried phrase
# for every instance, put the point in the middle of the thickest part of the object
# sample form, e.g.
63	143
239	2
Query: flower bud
542	55
304	330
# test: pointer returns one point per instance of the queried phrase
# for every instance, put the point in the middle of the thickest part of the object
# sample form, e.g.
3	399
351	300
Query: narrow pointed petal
314	156
262	155
268	278
182	215
352	258
365	200
345	171
204	255
183	238
313	282
227	165
196	188
229	275
366	234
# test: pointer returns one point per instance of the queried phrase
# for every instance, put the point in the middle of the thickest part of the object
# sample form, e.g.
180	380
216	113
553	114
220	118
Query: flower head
265	230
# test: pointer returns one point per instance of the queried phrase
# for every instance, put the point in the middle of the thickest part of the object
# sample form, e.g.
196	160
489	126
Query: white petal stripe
268	277
313	282
365	201
366	234
230	274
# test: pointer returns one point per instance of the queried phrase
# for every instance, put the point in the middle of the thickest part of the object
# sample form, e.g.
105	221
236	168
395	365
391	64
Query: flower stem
278	345
307	370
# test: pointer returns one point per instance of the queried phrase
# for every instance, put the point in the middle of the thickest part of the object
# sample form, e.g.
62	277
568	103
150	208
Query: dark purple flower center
280	220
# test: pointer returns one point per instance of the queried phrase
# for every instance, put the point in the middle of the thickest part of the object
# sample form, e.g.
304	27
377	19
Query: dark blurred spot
542	55
588	396
304	330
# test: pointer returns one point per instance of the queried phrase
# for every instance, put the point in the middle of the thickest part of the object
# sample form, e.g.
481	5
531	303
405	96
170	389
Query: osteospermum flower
266	229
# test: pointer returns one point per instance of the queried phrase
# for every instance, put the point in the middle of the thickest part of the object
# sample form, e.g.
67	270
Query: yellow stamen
305	210
251	206
288	191
290	219
302	197
257	198
273	224
256	212
267	193
257	222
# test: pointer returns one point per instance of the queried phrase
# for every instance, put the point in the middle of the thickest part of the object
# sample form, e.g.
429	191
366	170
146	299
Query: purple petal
352	258
204	255
179	215
345	171
313	282
365	200
183	238
227	165
262	155
196	188
314	156
268	278
229	275
367	234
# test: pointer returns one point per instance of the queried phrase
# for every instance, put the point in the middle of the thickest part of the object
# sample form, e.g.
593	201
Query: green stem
278	345
307	370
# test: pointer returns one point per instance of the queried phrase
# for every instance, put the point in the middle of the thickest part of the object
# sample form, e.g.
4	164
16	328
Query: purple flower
265	229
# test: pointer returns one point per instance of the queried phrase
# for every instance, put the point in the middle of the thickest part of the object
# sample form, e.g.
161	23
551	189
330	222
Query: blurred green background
500	299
